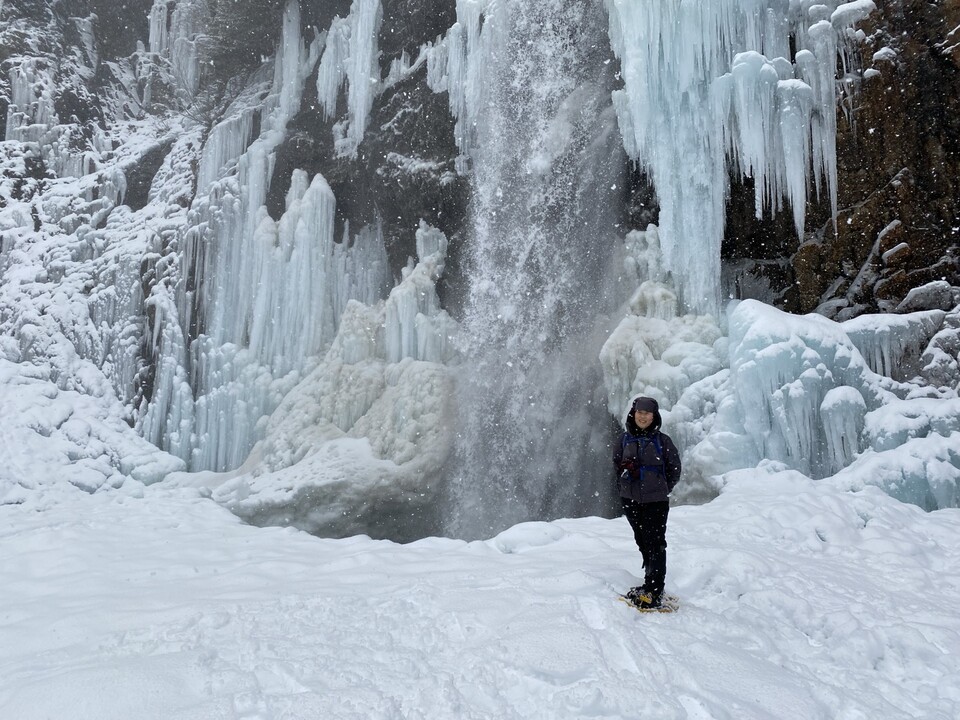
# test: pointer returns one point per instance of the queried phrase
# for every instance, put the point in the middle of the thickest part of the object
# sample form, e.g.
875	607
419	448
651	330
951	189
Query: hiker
648	468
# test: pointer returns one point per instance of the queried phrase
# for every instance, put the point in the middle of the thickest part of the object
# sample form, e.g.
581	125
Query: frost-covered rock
936	295
67	432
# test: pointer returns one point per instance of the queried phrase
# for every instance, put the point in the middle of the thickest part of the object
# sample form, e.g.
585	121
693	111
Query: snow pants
649	523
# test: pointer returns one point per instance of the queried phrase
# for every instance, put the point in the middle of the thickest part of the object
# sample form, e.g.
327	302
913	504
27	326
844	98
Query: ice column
176	33
261	297
709	83
351	56
226	142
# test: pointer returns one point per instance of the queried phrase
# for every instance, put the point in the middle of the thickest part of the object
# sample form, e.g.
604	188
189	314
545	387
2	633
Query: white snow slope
799	600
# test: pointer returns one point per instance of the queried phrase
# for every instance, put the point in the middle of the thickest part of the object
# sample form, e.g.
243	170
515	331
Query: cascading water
546	160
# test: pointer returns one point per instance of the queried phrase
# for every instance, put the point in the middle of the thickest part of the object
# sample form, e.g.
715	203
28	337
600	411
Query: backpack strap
642	441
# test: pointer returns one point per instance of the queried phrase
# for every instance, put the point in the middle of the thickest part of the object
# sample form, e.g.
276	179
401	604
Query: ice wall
370	427
32	121
30	113
742	83
258	299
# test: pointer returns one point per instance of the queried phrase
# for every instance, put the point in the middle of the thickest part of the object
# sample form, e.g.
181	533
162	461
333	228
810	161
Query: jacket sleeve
671	461
618	452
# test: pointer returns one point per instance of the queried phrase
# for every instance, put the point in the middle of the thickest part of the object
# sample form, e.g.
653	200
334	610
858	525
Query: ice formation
712	84
797	391
177	34
369	409
267	296
30	113
351	57
370	425
458	66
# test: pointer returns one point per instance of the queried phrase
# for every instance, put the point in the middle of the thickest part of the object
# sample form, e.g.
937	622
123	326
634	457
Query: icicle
458	67
708	83
351	56
226	142
332	72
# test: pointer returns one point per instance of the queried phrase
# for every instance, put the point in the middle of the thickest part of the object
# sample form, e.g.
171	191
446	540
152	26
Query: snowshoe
647	603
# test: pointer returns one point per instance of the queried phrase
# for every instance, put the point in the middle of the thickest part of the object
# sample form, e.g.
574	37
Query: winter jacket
647	463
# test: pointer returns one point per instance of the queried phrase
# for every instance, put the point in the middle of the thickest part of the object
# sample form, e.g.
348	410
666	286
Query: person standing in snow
648	468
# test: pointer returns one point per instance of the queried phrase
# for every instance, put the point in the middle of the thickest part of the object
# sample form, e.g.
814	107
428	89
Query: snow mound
57	440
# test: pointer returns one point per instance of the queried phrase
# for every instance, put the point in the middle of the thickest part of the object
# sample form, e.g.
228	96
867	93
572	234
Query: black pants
649	523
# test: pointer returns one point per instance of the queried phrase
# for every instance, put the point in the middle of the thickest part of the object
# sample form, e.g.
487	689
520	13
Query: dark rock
641	207
898	161
320	13
242	33
140	176
402	172
898	154
408	24
120	24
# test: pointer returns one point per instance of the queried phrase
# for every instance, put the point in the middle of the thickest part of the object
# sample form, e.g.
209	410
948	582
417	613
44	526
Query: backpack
642	443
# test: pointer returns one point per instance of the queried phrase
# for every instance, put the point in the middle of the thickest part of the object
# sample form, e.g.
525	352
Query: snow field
799	600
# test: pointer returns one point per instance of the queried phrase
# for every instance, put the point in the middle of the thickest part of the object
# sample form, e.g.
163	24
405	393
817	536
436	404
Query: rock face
898	175
898	149
403	170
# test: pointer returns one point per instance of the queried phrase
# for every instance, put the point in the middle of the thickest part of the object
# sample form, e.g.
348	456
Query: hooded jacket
647	462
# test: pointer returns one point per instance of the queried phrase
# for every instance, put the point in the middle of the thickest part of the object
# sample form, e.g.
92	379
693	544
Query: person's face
643	419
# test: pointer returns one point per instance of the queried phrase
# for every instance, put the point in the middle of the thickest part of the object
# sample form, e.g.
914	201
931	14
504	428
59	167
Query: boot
649	601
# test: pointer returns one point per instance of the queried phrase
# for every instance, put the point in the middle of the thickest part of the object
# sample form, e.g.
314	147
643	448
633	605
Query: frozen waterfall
263	311
271	347
530	85
258	299
747	83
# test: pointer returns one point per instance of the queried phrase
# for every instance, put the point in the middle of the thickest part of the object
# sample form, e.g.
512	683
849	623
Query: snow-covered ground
799	600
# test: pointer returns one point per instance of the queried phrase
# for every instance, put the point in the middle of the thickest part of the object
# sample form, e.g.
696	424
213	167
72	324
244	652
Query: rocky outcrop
403	171
898	156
